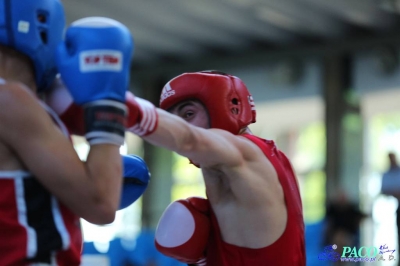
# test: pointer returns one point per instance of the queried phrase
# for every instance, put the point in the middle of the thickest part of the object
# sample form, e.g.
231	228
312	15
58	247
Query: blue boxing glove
94	63
136	179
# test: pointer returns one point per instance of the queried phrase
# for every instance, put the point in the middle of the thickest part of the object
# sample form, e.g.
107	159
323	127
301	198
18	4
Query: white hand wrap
147	118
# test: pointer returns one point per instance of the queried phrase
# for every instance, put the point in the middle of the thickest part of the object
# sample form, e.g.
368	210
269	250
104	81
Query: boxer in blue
45	187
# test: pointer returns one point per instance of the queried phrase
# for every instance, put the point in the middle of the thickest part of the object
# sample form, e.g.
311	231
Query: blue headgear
35	28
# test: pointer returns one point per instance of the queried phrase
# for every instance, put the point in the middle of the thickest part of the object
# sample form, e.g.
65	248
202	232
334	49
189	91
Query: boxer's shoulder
17	101
15	93
14	90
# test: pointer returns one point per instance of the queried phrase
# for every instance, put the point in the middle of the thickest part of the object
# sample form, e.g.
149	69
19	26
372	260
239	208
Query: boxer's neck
15	66
245	130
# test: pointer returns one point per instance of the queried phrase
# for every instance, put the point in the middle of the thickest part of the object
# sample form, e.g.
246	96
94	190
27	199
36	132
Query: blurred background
325	78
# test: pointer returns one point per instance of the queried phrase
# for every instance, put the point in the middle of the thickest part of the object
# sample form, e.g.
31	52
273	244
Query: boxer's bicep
48	154
37	142
215	147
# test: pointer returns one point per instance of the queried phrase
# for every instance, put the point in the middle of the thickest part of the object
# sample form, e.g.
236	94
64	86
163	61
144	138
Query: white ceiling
188	30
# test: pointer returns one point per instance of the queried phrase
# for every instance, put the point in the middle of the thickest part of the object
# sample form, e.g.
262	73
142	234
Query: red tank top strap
282	166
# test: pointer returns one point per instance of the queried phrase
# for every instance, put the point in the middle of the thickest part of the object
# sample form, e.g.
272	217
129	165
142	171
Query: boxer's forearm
205	146
172	133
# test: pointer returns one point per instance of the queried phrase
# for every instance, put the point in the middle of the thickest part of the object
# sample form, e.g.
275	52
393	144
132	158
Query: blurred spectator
391	178
343	219
391	187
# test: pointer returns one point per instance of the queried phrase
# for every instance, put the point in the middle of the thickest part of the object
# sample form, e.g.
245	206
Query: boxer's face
192	112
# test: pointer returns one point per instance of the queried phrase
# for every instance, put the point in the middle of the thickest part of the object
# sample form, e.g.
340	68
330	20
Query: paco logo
166	92
100	60
354	254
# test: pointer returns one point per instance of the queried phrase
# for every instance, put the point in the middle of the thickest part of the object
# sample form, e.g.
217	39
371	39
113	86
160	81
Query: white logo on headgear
166	92
251	102
23	26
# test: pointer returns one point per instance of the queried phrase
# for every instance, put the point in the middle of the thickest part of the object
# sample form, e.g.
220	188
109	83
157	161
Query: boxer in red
253	214
253	211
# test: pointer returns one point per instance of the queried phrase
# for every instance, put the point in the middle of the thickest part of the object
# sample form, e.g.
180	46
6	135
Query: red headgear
229	103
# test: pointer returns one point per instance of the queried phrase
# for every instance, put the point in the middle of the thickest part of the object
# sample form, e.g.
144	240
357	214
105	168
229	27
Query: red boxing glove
142	115
60	101
183	230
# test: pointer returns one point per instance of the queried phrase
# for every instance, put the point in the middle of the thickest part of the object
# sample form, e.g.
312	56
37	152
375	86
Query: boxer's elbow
103	212
189	142
185	148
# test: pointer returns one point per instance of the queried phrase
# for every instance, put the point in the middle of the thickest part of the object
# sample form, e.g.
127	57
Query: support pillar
344	136
158	193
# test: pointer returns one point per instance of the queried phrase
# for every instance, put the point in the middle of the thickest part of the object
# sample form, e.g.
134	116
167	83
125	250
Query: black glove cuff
105	122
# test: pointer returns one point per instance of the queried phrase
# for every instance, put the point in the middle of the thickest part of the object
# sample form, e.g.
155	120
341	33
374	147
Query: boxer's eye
188	114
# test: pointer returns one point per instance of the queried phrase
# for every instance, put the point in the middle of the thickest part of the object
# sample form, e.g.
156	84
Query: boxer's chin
194	163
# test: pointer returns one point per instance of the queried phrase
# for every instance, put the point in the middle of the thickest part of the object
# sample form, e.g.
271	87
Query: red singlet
289	249
34	226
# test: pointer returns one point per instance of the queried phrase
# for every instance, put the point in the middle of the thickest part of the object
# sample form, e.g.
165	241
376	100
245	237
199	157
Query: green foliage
312	189
188	180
